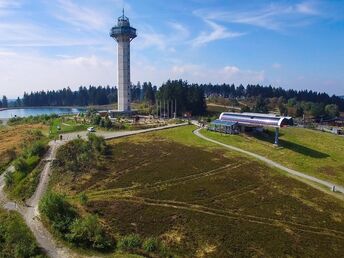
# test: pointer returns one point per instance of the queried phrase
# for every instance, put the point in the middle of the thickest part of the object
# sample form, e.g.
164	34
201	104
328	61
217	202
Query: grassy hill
316	153
199	200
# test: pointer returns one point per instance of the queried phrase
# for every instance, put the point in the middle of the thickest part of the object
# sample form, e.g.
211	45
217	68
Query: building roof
256	119
222	122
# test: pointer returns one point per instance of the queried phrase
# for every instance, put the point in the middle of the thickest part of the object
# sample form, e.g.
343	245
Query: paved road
117	134
339	188
30	212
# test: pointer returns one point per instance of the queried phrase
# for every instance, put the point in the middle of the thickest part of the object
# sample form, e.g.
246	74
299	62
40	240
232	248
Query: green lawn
313	152
204	201
66	126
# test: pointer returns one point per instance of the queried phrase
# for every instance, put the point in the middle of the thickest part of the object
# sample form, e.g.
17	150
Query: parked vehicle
91	129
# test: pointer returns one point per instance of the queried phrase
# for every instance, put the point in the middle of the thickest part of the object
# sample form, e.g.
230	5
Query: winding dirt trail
29	210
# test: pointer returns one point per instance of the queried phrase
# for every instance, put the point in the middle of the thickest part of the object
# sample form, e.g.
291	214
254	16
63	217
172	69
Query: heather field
199	200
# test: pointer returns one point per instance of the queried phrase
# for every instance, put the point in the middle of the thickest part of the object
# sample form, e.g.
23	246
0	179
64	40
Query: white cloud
9	4
275	16
149	38
307	8
7	53
218	32
227	74
180	29
276	65
26	72
152	39
79	15
231	70
23	34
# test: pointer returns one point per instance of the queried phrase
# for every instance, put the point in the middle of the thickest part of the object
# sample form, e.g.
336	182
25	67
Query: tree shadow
270	137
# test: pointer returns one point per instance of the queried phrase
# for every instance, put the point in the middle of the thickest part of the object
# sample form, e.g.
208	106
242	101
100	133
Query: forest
190	97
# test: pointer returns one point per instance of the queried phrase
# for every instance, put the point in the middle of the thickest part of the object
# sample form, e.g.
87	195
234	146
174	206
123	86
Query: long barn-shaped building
250	120
257	119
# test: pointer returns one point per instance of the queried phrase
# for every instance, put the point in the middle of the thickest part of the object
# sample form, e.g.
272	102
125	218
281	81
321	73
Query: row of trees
231	91
190	97
296	108
85	96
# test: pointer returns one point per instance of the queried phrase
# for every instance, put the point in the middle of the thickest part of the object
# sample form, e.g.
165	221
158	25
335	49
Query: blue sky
51	44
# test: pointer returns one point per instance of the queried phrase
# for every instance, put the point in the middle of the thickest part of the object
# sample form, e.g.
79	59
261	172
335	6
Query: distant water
25	112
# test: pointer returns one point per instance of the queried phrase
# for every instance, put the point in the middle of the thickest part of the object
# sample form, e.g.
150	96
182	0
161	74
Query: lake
25	112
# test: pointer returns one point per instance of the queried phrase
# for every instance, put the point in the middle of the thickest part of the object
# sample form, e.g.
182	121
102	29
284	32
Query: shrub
21	165
24	166
80	155
97	143
37	149
151	245
108	123
88	232
76	156
32	162
102	123
27	186
16	240
54	207
9	180
83	199
130	242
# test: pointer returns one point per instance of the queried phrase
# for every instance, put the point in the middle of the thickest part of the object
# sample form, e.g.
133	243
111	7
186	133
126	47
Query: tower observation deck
123	34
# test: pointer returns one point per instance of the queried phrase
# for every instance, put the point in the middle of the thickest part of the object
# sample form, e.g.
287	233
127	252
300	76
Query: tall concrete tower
123	34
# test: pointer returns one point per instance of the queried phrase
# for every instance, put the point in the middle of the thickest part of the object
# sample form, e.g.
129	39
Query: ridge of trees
187	95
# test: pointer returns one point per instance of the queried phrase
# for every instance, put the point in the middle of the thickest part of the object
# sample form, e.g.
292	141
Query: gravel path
269	162
30	212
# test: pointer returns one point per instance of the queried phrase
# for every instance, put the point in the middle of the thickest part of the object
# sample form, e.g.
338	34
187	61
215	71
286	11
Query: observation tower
123	34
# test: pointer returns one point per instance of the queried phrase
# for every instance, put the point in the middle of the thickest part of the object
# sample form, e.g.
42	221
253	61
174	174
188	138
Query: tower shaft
123	34
123	75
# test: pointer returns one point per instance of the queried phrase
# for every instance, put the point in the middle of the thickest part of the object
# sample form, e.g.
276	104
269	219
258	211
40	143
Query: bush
27	186
80	155
38	149
32	162
76	156
130	242
107	123
54	207
24	166
83	199
88	232
97	143
151	245
16	240
9	180
21	165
